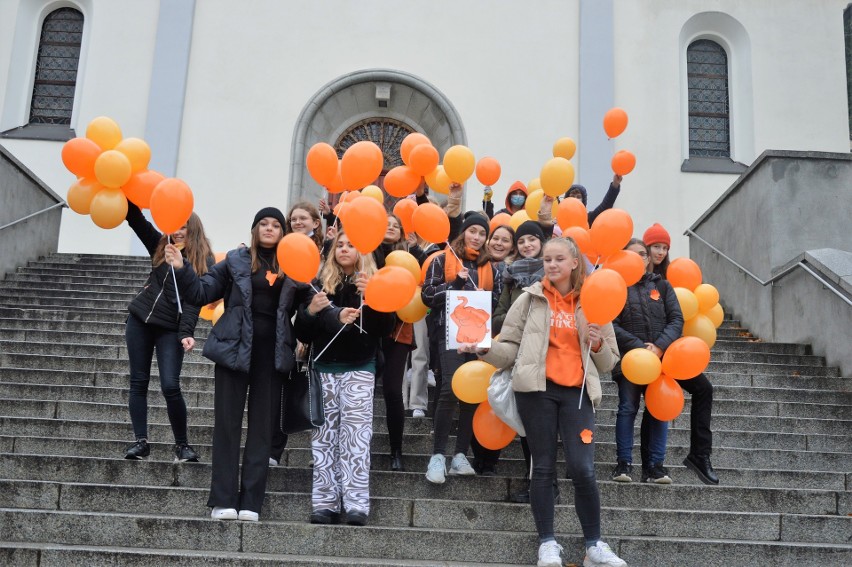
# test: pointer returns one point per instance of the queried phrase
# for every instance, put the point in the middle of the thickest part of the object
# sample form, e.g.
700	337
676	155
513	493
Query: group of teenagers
272	323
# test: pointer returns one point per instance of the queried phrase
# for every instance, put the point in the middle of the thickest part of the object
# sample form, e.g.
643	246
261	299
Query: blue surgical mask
517	200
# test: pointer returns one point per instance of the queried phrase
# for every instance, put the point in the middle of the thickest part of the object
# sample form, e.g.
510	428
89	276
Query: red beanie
656	234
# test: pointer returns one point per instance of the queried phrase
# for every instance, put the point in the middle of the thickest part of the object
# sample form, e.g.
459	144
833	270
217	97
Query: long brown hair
255	244
458	247
640	242
332	274
578	275
197	247
400	244
314	213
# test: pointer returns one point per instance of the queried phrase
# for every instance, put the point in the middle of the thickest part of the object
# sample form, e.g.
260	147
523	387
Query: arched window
56	67
847	35
709	111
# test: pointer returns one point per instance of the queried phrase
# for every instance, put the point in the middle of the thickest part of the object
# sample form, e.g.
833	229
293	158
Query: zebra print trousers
341	446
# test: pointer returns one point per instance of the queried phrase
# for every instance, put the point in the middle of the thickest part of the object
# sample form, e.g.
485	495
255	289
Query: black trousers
700	435
279	438
227	488
396	354
447	402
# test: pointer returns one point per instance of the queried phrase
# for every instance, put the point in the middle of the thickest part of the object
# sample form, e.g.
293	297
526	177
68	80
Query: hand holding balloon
349	315
173	256
318	302
595	337
655	349
361	280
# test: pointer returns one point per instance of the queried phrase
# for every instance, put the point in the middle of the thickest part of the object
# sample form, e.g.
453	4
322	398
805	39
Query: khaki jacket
524	341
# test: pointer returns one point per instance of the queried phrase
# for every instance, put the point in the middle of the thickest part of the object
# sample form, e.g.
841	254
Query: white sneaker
430	378
437	469
418	414
273	462
248	516
224	514
460	466
550	554
601	555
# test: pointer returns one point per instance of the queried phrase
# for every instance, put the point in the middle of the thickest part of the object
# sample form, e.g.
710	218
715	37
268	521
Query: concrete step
81	282
11	328
92	272
63	301
773	369
42	314
773	348
111	259
96	291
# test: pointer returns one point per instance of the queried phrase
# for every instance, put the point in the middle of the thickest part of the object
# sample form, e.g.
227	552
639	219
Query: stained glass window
709	112
847	33
56	67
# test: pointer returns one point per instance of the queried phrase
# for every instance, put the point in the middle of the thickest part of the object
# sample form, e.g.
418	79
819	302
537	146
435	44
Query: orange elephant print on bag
471	322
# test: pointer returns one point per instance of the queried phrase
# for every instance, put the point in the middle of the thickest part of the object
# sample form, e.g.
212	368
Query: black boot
396	460
701	466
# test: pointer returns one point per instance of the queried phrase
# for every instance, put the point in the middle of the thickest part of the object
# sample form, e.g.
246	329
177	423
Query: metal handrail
777	276
50	208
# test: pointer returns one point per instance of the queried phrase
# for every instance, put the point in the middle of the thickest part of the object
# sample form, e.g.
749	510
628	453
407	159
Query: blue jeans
654	433
142	340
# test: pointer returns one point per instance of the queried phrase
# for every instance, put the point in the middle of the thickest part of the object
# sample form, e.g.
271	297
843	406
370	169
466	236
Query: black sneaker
185	454
356	518
702	467
621	472
325	517
138	451
656	474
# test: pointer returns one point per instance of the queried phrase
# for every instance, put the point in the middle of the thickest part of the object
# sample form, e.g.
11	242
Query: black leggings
396	355
447	402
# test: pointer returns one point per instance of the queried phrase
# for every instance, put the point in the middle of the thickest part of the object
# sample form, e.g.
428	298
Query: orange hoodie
564	362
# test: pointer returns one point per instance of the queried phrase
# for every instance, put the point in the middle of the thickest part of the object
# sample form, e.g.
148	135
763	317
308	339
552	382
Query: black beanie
269	212
472	218
528	228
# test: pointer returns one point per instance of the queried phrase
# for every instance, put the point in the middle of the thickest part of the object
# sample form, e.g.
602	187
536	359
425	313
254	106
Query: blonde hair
315	216
196	251
255	244
332	274
578	275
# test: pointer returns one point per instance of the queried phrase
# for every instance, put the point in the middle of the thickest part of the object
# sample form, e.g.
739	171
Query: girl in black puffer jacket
651	319
156	323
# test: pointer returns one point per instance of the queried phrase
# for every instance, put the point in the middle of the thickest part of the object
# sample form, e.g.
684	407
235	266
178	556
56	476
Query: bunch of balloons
470	384
111	170
614	123
699	302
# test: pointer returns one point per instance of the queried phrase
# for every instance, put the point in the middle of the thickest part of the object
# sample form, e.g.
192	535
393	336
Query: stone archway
351	100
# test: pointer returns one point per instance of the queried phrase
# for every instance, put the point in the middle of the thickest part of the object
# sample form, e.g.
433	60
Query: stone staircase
782	423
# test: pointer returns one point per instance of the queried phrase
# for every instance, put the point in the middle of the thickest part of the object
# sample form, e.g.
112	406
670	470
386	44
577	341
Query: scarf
524	272
484	273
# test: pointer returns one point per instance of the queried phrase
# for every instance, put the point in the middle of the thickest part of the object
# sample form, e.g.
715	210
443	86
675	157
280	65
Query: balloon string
329	343
174	279
361	309
585	373
331	303
450	248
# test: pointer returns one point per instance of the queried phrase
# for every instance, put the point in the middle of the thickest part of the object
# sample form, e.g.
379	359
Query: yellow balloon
137	151
470	381
374	192
80	195
112	168
702	327
716	314
641	366
518	219
104	132
688	302
533	204
439	181
218	312
459	163
404	260
707	296
109	208
415	310
534	184
564	148
557	175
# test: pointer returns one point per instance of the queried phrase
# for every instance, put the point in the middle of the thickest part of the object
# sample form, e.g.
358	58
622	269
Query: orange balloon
361	165
518	219
402	181
581	237
500	219
688	303
683	272
80	195
641	366
322	163
488	171
298	257
424	269
664	398
439	181
430	223
404	260
218	312
209	310
112	168
415	310
701	326
564	148
365	222
104	132
404	209
336	184
219	256
623	162
707	297
390	289
139	187
627	263
686	358
615	122
171	204
490	431
79	155
423	159
611	231
557	175
137	151
603	296
534	184
572	212
409	143
459	163
108	208
470	381
716	315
